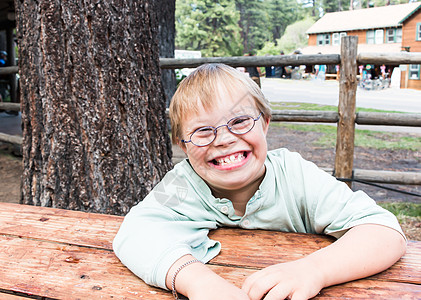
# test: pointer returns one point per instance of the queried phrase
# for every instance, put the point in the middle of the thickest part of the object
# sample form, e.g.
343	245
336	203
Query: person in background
320	71
3	58
254	72
280	71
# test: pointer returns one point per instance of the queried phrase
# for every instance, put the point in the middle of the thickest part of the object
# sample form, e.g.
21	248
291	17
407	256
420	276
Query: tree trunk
93	109
165	10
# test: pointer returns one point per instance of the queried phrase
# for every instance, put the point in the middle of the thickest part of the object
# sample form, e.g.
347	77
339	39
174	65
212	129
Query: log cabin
387	29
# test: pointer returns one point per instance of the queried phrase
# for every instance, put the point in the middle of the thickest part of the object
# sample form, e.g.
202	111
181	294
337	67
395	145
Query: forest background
262	27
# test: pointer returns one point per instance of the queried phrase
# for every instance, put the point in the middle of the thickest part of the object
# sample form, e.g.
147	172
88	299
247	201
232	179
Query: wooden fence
345	117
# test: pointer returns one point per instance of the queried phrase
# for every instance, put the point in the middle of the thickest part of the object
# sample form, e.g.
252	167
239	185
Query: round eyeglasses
204	136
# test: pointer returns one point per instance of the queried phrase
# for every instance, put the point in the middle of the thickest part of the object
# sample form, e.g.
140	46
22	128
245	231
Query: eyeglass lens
205	135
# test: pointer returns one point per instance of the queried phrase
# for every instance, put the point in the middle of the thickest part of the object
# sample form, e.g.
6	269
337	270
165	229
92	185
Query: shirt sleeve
332	207
165	226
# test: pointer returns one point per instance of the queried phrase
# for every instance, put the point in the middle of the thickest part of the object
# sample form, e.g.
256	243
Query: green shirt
295	196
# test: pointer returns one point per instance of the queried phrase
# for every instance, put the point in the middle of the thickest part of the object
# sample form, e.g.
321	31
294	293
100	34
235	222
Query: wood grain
66	254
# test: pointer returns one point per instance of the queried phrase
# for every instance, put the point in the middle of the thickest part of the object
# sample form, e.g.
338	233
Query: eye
240	122
203	132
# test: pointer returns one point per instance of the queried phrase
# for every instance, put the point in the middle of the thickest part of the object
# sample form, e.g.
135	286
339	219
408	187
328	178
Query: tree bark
93	109
165	10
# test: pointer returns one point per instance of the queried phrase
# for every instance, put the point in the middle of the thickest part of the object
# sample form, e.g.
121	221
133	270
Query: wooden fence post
346	108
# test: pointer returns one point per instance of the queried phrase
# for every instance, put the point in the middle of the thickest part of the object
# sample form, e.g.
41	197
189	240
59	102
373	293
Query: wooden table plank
61	271
246	251
67	272
58	234
45	223
97	230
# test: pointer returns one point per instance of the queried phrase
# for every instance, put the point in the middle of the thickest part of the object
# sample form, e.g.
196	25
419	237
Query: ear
182	146
265	124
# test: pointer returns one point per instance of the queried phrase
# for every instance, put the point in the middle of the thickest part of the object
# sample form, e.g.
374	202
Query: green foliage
254	24
269	48
234	27
228	28
334	5
295	36
282	13
208	26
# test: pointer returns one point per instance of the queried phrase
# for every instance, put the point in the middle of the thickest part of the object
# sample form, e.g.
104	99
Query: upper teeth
230	159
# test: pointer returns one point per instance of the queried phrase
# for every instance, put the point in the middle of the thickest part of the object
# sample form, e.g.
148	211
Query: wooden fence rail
345	118
316	116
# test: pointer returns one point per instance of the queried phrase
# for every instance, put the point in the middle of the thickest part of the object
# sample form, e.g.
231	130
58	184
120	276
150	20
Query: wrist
177	271
322	273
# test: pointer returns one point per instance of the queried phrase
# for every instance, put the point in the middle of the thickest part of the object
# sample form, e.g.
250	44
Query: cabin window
323	39
398	35
370	36
418	32
390	35
375	36
414	71
336	37
394	35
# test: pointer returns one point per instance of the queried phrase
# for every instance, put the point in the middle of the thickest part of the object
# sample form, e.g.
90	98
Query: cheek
195	153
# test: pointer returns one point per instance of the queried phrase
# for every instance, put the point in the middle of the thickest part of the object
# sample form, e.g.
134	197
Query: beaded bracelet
174	292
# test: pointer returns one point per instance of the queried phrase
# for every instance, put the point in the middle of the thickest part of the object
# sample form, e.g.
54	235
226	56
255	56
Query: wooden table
64	254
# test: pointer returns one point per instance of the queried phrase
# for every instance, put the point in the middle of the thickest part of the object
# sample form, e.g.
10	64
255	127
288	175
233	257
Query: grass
403	208
407	214
363	138
319	107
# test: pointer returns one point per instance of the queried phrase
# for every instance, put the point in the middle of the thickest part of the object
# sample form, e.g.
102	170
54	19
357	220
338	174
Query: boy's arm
363	251
197	281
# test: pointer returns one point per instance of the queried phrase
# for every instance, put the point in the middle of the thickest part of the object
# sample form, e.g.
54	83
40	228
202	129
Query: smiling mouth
230	159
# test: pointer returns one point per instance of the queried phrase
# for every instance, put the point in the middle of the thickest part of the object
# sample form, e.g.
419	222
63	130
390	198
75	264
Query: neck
239	197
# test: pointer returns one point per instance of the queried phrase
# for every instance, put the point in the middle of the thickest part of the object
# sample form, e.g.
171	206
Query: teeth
230	159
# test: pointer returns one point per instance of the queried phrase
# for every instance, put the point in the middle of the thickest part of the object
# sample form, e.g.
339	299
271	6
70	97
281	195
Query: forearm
183	276
363	251
197	281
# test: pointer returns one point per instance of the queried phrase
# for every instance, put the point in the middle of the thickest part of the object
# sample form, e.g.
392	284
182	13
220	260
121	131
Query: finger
280	291
249	281
256	288
256	276
283	291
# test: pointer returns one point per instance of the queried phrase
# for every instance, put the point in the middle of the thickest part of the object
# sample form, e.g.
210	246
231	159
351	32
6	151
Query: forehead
225	103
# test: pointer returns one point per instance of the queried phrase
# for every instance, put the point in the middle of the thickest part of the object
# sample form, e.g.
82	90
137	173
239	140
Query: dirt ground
302	142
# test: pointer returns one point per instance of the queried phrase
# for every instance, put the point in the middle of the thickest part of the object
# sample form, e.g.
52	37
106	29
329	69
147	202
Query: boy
220	119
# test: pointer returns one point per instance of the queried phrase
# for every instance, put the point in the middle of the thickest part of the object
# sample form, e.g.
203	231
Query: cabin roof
362	19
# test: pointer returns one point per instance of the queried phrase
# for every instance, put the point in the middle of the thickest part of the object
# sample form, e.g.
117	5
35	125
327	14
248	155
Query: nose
223	136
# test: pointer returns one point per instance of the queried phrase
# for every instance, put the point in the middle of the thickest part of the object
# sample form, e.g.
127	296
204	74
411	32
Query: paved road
327	93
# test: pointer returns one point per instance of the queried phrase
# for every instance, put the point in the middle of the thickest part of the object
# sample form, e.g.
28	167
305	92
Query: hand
294	280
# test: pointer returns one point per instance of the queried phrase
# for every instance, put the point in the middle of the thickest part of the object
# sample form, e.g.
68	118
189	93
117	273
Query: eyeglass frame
215	129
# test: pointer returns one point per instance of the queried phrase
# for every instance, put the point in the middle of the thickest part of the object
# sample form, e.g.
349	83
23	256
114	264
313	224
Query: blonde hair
201	88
